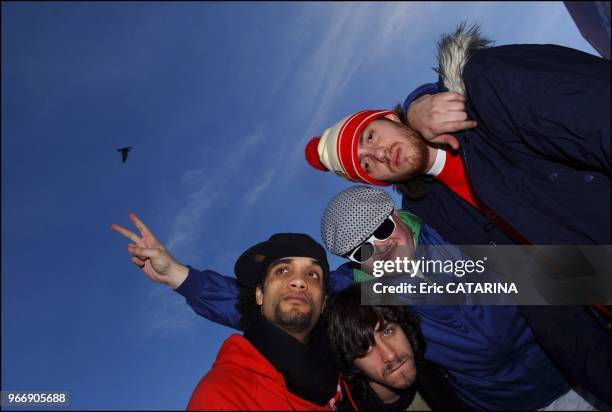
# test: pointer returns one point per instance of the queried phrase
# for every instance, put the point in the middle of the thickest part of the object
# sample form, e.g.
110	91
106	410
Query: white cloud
207	189
219	181
165	313
253	195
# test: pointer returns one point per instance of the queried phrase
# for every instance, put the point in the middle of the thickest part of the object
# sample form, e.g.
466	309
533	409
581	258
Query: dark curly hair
246	306
351	331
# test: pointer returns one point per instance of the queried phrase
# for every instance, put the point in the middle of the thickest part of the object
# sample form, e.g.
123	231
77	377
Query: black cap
251	266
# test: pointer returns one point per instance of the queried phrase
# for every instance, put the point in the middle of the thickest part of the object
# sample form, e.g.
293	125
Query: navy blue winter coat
540	158
540	155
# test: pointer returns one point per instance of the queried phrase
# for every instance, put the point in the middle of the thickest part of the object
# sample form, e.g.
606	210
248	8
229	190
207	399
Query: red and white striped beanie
336	149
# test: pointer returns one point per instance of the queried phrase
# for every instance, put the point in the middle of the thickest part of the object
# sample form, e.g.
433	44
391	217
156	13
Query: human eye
388	331
281	270
366	166
314	275
365	137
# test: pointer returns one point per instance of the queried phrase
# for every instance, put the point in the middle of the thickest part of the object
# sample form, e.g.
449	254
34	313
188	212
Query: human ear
258	296
393	117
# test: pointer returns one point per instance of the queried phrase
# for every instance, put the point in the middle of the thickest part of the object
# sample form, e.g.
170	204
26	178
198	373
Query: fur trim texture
454	50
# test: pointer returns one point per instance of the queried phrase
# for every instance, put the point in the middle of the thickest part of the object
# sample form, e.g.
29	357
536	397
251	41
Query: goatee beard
293	321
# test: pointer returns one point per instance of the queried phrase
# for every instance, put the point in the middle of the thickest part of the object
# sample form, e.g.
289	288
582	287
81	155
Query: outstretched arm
210	294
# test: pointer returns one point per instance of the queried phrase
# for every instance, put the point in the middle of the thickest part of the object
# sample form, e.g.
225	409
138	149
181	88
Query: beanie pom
312	154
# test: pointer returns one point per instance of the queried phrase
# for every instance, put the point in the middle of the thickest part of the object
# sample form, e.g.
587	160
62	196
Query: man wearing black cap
283	361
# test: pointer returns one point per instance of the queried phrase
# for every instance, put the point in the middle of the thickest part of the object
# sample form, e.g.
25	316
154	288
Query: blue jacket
489	352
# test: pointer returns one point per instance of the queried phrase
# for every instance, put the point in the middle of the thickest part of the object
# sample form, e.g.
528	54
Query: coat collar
454	51
309	370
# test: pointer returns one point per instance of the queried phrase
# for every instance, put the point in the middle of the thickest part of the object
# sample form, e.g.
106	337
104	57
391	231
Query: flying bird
124	152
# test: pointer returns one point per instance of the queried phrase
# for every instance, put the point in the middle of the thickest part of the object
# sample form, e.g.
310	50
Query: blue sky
218	100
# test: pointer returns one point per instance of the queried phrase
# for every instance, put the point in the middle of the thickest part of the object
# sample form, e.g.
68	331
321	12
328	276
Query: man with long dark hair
380	351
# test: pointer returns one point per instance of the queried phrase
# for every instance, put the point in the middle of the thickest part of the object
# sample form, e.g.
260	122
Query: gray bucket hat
352	216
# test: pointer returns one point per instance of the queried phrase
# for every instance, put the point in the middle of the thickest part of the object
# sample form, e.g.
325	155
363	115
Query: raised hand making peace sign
151	256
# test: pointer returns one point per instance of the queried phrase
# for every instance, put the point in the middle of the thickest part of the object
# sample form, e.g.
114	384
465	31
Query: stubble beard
407	379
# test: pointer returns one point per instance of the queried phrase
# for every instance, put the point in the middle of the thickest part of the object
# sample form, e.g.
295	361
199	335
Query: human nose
297	282
386	352
380	153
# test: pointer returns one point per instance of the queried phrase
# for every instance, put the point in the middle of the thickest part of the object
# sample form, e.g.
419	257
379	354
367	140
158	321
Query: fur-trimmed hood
454	50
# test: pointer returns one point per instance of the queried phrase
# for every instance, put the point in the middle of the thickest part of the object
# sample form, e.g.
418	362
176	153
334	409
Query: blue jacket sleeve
213	296
427	88
554	99
342	277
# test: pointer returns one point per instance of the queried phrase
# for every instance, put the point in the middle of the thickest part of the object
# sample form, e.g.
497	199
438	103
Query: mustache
398	361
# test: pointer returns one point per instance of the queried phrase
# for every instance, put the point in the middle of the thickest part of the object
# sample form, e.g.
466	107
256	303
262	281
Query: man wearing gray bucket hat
360	218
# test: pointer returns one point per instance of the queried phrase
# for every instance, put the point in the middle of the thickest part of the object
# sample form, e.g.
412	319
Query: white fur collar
454	50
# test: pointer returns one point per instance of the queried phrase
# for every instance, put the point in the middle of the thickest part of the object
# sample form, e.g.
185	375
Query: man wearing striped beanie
533	165
348	149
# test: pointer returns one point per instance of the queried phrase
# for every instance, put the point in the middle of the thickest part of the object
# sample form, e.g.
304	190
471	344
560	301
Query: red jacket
242	379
